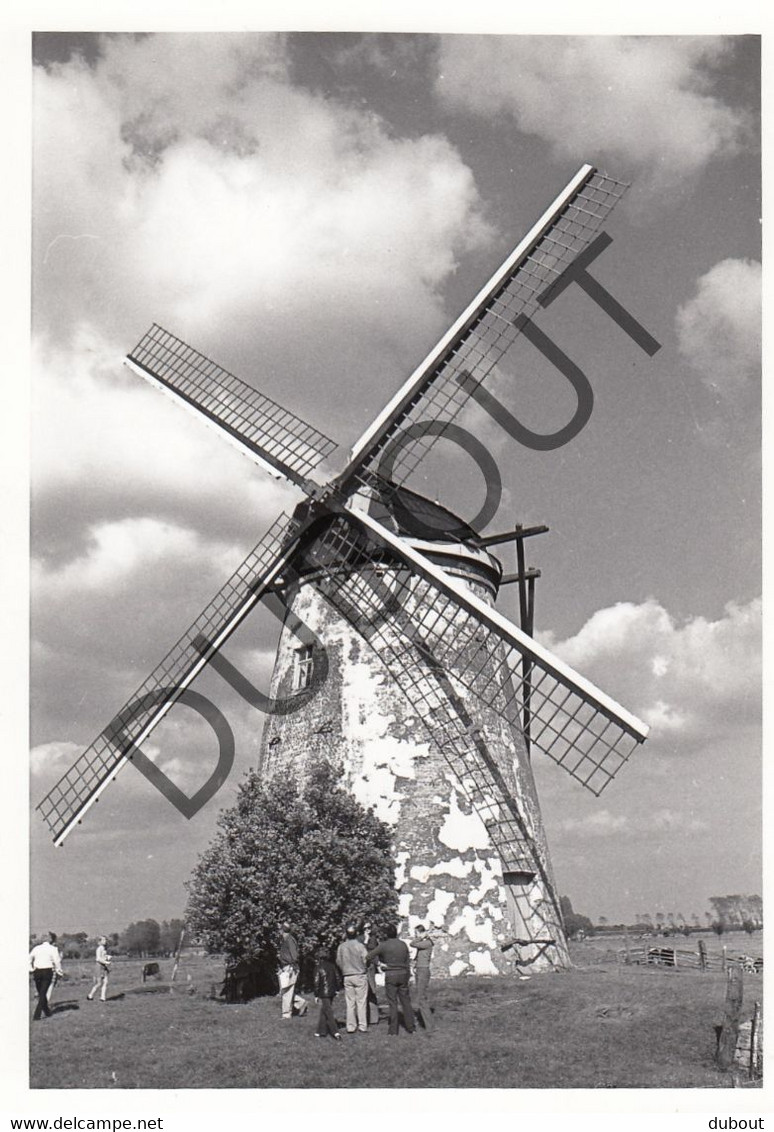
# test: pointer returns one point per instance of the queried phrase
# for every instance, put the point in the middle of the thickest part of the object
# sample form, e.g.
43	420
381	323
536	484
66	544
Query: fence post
755	1039
702	955
177	953
730	1029
723	960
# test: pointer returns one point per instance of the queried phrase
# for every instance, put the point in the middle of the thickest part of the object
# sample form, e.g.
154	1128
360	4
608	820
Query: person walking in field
325	987
45	962
351	961
423	945
394	957
102	963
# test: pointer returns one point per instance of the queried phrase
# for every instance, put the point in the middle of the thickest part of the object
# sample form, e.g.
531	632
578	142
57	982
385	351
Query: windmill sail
573	722
283	443
66	803
440	387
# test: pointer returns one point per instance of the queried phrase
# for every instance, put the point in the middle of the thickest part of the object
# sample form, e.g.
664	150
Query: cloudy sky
313	211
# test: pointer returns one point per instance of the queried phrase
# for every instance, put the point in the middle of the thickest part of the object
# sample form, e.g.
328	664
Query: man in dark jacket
326	985
394	957
371	940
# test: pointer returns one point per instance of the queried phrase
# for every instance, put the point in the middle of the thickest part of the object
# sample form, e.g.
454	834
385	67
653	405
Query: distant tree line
576	926
737	911
729	913
147	937
78	945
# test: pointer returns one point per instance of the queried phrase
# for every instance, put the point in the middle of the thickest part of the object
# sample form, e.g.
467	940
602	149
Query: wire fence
698	958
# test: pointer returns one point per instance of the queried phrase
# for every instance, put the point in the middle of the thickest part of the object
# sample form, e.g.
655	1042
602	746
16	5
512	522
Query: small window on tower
303	668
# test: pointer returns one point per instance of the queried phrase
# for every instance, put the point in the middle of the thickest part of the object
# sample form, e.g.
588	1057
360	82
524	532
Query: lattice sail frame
439	388
282	442
573	722
77	790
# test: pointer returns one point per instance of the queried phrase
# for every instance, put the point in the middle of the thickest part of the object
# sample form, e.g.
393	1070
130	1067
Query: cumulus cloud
188	758
107	447
195	84
120	549
186	175
691	682
185	749
604	823
394	55
719	328
118	607
599	824
645	101
669	820
50	760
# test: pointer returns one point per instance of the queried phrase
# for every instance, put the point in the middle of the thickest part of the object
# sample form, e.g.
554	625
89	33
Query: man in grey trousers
351	961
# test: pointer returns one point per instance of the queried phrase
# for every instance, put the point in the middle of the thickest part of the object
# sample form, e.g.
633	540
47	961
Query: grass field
599	1025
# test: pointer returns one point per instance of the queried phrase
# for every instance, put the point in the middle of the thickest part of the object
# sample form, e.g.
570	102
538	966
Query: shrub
316	858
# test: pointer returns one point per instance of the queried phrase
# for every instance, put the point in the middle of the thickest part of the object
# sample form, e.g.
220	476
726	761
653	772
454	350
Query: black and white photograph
395	568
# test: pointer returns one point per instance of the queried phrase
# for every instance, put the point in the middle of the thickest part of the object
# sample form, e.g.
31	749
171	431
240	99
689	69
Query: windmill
375	570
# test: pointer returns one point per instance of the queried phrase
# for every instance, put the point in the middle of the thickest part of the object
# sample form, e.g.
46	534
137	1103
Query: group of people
358	958
46	969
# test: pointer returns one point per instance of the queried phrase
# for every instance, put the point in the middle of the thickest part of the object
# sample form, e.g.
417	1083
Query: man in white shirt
44	961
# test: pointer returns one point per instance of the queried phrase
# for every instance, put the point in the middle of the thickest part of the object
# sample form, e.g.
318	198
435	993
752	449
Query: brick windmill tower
393	660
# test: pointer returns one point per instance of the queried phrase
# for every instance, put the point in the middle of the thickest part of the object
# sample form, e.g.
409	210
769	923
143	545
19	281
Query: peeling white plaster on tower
449	876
